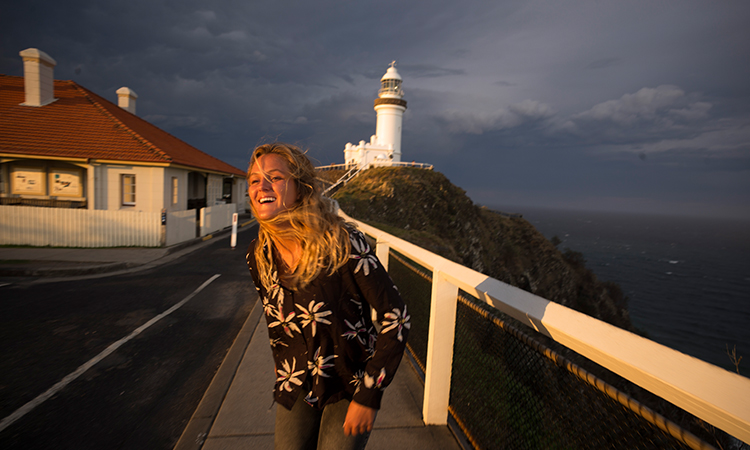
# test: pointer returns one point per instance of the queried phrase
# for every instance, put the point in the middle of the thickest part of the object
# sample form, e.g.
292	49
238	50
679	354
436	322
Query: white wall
149	187
239	194
182	189
214	188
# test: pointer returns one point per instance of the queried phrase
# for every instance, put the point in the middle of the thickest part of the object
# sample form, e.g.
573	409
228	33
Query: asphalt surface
173	314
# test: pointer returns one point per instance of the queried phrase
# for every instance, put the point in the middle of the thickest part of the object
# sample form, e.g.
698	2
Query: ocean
687	279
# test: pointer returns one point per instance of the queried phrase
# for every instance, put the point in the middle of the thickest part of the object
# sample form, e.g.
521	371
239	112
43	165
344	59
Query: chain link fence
415	284
513	388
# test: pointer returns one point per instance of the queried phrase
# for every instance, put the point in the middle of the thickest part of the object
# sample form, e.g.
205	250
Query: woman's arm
378	290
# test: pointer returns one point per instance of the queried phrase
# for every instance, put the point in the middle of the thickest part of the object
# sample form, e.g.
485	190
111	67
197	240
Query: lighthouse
384	147
390	106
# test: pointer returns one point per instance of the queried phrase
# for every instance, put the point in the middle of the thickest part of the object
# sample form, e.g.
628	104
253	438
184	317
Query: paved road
144	392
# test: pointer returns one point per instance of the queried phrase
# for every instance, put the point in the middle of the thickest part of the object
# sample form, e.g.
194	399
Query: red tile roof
80	124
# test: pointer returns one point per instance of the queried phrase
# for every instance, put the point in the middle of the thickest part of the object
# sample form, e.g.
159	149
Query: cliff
425	208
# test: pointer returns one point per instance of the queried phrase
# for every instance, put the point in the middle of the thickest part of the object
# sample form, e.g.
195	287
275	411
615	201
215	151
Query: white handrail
344	179
715	395
377	163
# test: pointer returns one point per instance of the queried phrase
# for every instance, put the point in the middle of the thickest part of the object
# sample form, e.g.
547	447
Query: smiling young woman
317	278
272	191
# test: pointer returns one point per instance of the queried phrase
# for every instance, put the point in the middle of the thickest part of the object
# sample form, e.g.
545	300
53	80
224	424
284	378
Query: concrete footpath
236	411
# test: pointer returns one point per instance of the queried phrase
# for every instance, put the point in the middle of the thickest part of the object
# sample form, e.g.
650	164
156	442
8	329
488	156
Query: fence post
382	248
233	241
202	222
440	339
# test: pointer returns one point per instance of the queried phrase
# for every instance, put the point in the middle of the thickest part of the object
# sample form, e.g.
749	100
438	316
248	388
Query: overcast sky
619	105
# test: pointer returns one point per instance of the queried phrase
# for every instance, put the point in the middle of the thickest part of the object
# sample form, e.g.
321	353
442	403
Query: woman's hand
359	419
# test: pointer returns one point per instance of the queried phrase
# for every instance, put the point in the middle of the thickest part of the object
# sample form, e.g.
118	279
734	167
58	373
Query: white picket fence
217	217
61	227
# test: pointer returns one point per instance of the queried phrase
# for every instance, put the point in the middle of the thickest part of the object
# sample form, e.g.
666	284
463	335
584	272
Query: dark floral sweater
322	337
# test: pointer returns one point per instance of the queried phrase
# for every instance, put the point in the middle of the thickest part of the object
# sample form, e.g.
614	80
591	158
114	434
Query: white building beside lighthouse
384	147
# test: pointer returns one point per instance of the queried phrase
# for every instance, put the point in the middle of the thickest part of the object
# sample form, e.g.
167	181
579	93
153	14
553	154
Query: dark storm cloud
430	71
544	101
514	116
603	63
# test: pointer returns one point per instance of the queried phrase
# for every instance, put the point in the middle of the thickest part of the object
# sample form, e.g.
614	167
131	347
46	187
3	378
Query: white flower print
288	376
268	307
275	291
277	341
319	364
375	383
361	251
312	315
310	399
396	320
355	331
285	322
358	378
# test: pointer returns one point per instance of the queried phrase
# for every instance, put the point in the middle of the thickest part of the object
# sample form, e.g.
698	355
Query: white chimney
126	99
39	79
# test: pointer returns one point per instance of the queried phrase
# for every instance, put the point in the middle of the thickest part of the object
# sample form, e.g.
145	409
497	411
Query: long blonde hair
311	221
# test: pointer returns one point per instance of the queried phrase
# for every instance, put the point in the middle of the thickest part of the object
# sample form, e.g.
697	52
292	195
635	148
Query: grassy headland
425	208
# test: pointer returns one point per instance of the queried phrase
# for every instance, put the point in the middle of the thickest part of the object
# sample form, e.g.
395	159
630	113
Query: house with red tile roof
63	146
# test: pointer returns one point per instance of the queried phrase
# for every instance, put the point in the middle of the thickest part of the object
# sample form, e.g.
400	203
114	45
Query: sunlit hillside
425	208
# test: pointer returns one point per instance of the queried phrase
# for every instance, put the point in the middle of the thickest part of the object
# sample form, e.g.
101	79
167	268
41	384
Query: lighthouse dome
391	74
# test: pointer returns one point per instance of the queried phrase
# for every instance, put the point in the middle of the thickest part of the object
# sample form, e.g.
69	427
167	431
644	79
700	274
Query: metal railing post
440	339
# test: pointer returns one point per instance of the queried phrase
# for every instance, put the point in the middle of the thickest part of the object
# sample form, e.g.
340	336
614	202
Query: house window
128	190
174	190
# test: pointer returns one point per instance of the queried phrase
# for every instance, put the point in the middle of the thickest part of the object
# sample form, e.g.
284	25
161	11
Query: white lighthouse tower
390	106
384	147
